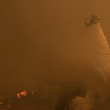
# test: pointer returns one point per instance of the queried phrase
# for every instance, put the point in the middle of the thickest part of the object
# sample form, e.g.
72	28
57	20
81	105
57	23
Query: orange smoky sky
41	39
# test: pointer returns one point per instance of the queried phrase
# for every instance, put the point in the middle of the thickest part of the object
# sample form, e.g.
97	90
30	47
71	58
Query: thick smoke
88	89
43	43
84	103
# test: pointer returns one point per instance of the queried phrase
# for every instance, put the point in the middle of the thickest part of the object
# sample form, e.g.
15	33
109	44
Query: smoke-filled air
55	55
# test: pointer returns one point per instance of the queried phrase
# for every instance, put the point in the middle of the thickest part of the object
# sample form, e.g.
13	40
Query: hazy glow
45	46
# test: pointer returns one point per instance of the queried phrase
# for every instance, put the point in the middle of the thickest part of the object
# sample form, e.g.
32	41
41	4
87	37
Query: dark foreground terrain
54	96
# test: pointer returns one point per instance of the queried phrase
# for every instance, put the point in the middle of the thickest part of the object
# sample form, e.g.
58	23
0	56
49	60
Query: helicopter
94	19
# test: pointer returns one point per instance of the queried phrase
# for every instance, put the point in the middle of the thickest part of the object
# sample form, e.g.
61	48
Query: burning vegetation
8	103
23	93
47	97
56	96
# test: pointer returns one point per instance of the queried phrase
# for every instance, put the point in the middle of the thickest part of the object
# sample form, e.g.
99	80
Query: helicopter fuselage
93	20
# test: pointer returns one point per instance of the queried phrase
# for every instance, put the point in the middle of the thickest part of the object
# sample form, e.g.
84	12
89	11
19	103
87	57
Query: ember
1	103
22	93
8	106
33	92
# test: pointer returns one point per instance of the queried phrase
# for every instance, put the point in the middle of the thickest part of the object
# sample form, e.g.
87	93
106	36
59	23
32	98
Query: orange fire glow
23	93
1	103
8	106
32	92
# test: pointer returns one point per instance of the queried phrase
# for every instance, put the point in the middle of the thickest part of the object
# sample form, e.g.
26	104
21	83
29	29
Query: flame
33	91
18	94
1	102
23	93
8	106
